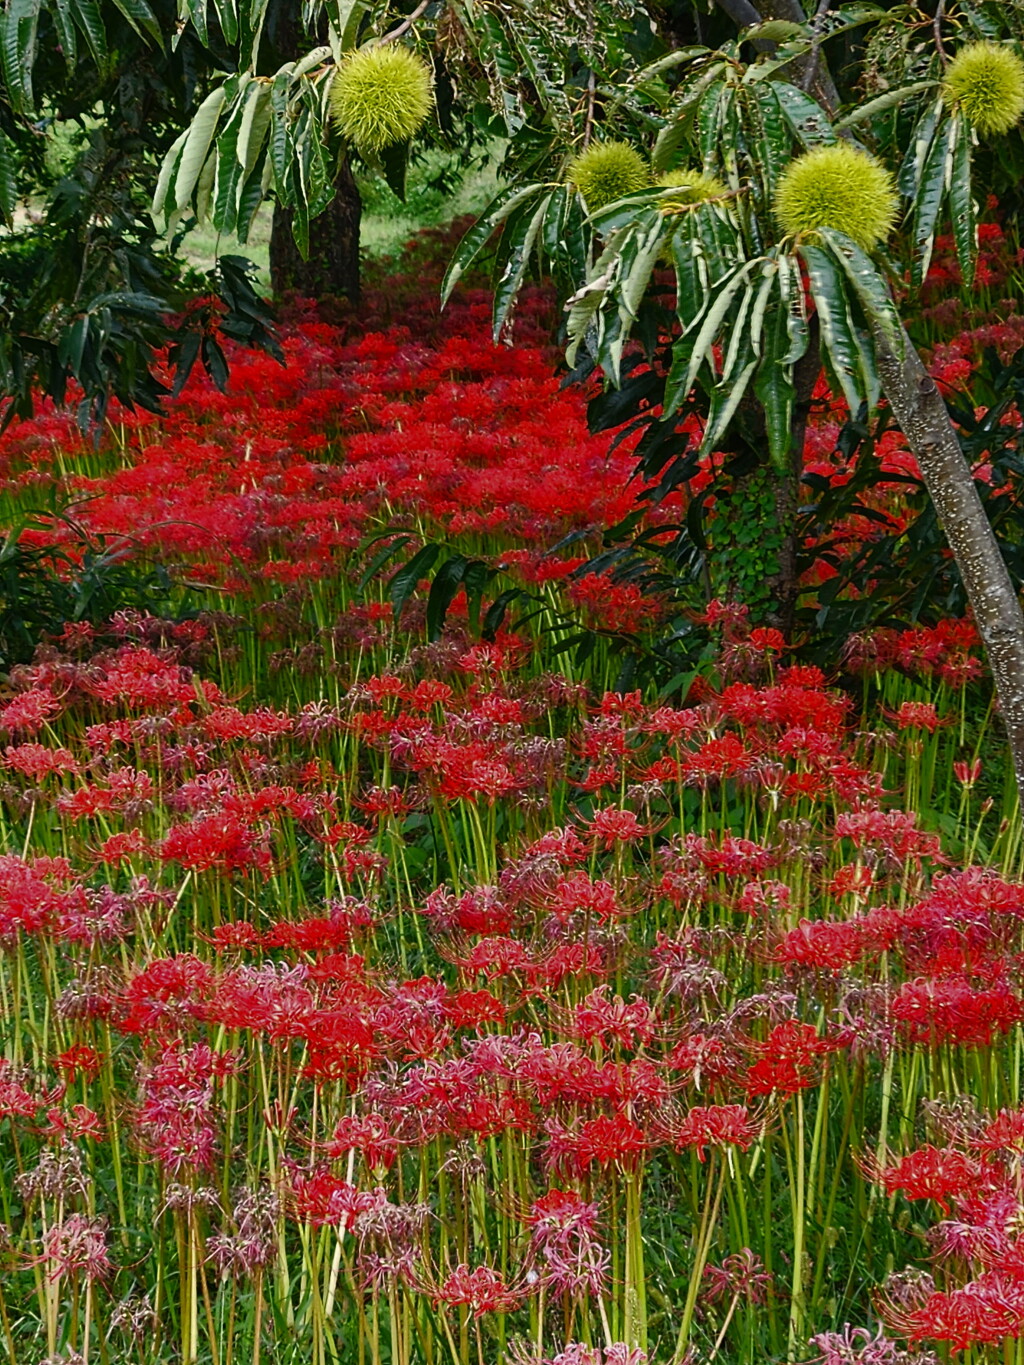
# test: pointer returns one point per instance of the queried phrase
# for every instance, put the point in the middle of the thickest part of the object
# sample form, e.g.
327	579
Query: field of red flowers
373	999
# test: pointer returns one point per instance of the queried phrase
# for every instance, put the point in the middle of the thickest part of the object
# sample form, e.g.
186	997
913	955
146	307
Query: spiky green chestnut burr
607	171
837	187
381	96
694	188
985	81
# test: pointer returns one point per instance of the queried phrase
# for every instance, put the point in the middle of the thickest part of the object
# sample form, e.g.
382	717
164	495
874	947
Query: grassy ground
436	193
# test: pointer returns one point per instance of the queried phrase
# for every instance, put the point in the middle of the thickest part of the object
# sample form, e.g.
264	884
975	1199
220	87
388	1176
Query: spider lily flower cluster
370	999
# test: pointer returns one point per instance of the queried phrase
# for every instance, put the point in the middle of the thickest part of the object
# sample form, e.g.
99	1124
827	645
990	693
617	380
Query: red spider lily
567	960
76	1245
600	778
473	1009
500	956
377	801
176	1119
938	1173
561	1211
340	1045
466	772
576	894
853	879
240	934
428	693
764	898
988	1310
625	1084
32	899
787	1061
1004	1133
614	606
733	857
165	994
78	1122
481	910
481	1289
598	1019
894	833
965	895
494	957
717	759
824	944
558	1071
918	715
963	1241
273	998
954	1011
142	679
38	761
514	1033
767	640
412	1018
683	887
85	802
663	770
743	1273
119	848
562	844
809	745
223	723
385	687
856	1346
17	1100
255	1244
318	933
563	1234
714	1125
368	1135
79	1060
322	1199
29	712
731	616
967	774
216	841
626	704
598	1142
343	968
663	720
943	650
705	1061
797	701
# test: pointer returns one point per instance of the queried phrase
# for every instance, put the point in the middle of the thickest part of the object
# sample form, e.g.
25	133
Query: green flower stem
717	1171
797	1173
634	1289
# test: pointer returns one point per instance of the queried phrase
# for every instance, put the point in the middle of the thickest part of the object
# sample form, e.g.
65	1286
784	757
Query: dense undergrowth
370	997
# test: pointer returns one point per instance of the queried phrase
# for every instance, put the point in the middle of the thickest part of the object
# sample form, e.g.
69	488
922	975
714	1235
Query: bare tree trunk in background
333	265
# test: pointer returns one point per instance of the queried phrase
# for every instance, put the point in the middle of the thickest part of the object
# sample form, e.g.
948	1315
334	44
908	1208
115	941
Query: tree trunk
805	70
333	265
923	418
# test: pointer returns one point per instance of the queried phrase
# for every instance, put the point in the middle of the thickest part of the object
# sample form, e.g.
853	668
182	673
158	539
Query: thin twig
940	10
406	24
817	24
588	127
